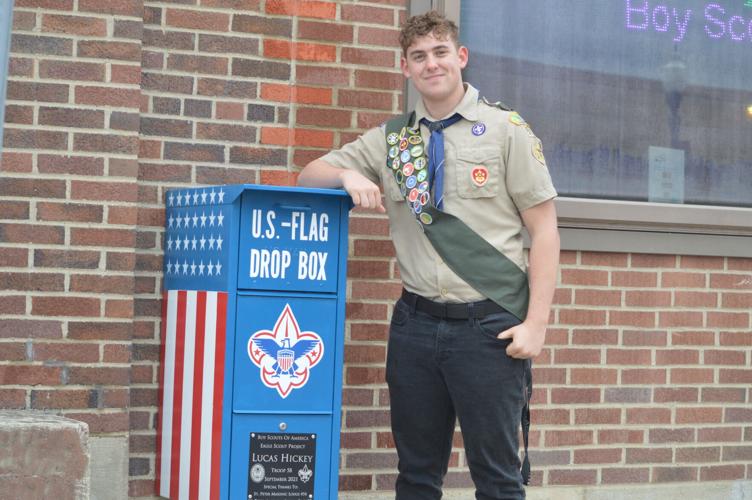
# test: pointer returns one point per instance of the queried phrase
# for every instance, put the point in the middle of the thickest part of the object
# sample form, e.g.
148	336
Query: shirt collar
467	107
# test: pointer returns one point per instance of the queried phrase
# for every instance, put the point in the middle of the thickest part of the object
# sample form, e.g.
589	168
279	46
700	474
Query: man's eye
442	53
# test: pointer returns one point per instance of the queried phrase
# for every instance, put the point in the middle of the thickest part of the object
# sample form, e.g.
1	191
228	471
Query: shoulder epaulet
497	104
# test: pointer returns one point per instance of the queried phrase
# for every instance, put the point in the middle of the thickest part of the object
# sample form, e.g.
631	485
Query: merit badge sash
466	253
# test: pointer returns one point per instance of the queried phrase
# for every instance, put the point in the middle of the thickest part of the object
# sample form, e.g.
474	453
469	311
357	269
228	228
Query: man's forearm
542	274
320	174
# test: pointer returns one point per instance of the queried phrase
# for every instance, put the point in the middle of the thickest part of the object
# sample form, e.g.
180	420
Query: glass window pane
634	99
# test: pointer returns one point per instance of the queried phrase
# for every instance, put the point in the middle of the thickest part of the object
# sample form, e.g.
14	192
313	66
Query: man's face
434	65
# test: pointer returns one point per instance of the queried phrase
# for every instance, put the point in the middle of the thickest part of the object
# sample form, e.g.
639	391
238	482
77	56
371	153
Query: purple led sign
662	18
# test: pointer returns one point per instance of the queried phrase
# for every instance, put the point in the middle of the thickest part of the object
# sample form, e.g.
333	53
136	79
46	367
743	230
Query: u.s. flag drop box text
252	343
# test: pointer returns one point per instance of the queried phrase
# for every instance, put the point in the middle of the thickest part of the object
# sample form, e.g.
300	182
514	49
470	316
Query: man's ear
463	55
403	67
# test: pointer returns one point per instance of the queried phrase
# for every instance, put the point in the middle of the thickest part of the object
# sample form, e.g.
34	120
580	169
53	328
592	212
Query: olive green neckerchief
466	253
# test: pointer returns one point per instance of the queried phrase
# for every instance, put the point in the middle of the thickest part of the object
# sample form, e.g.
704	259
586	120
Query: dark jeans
439	370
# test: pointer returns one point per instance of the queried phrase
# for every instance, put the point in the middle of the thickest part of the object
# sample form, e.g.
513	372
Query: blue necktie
436	156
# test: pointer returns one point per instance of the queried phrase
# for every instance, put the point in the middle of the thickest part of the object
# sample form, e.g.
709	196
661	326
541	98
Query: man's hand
527	340
363	192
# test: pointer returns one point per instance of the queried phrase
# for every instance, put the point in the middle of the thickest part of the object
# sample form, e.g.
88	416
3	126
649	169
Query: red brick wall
646	375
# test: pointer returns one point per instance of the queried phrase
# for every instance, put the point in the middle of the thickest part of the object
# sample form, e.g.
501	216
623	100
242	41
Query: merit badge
399	177
417	207
479	175
403	132
285	355
416	150
516	119
403	144
538	152
415	139
396	164
413	195
393	152
392	139
420	163
405	156
408	169
426	218
403	190
478	129
422	175
410	182
424	198
423	186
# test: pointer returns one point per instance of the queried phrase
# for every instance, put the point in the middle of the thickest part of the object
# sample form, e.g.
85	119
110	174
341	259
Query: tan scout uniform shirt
517	180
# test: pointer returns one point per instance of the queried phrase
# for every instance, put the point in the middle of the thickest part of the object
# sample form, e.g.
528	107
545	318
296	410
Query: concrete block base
43	456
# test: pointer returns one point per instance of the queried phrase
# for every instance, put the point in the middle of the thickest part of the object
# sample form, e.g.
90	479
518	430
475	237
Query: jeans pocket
401	314
493	324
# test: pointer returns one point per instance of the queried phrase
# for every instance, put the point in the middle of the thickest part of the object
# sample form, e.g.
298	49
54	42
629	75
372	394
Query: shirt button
444	292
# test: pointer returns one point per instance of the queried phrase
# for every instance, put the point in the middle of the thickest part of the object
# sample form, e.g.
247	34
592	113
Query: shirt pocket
478	172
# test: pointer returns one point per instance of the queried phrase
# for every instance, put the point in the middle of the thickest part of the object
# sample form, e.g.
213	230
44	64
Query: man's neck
442	108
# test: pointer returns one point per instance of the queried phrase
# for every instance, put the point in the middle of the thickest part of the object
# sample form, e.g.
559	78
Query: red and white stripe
191	385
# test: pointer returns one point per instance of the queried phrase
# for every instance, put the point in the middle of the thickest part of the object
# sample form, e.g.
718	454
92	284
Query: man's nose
431	62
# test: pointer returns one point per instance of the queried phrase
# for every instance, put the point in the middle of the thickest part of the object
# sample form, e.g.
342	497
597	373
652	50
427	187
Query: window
644	108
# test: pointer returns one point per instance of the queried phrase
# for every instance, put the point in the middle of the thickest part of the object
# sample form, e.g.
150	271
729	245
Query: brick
353	482
367	14
229	111
302	8
643	319
623	475
693	338
258	156
599	297
677	357
121	51
101	284
12	398
16	162
65	117
90	330
584	277
634	279
198	20
166	127
723	395
586	416
355	419
577	356
193	152
671	435
32	188
22	115
30	329
262	25
683	280
28	375
627	395
177	40
74	352
69	259
648	455
227	133
728	320
13	257
129	29
197	107
297	137
323	32
18	66
716	434
675	395
24	21
100	423
575	396
378	36
721	472
366	120
729	376
692	376
172	84
282	49
645	298
34	139
26	233
104	96
368	57
735	338
704	415
126	73
648	416
228	45
35	44
700	262
713	357
370	331
105	143
737	300
297	94
572	477
582	317
739	264
74	25
643	376
597	456
593	376
125	121
620	436
322	75
197	64
674	474
647	260
655	338
65	164
130	8
364	99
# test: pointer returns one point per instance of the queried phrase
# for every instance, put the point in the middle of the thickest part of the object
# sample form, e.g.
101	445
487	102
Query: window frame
592	224
6	27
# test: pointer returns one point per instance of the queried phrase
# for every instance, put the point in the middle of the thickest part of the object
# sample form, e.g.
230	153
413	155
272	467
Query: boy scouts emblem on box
285	355
480	175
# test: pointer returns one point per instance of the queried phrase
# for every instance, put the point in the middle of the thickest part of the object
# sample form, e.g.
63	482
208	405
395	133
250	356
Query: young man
454	353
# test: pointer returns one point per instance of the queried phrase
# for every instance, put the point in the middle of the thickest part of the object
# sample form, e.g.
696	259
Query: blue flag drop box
252	342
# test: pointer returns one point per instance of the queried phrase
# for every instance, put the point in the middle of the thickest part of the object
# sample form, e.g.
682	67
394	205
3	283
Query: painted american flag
192	369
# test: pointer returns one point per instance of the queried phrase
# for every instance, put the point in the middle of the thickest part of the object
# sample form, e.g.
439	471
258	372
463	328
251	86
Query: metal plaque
281	465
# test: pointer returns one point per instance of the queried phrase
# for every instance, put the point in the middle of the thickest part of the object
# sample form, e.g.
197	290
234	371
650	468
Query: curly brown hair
430	23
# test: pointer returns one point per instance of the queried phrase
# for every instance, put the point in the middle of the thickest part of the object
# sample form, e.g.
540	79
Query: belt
447	310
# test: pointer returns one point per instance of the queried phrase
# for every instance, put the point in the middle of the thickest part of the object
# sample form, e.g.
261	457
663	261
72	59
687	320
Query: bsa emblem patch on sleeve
479	175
